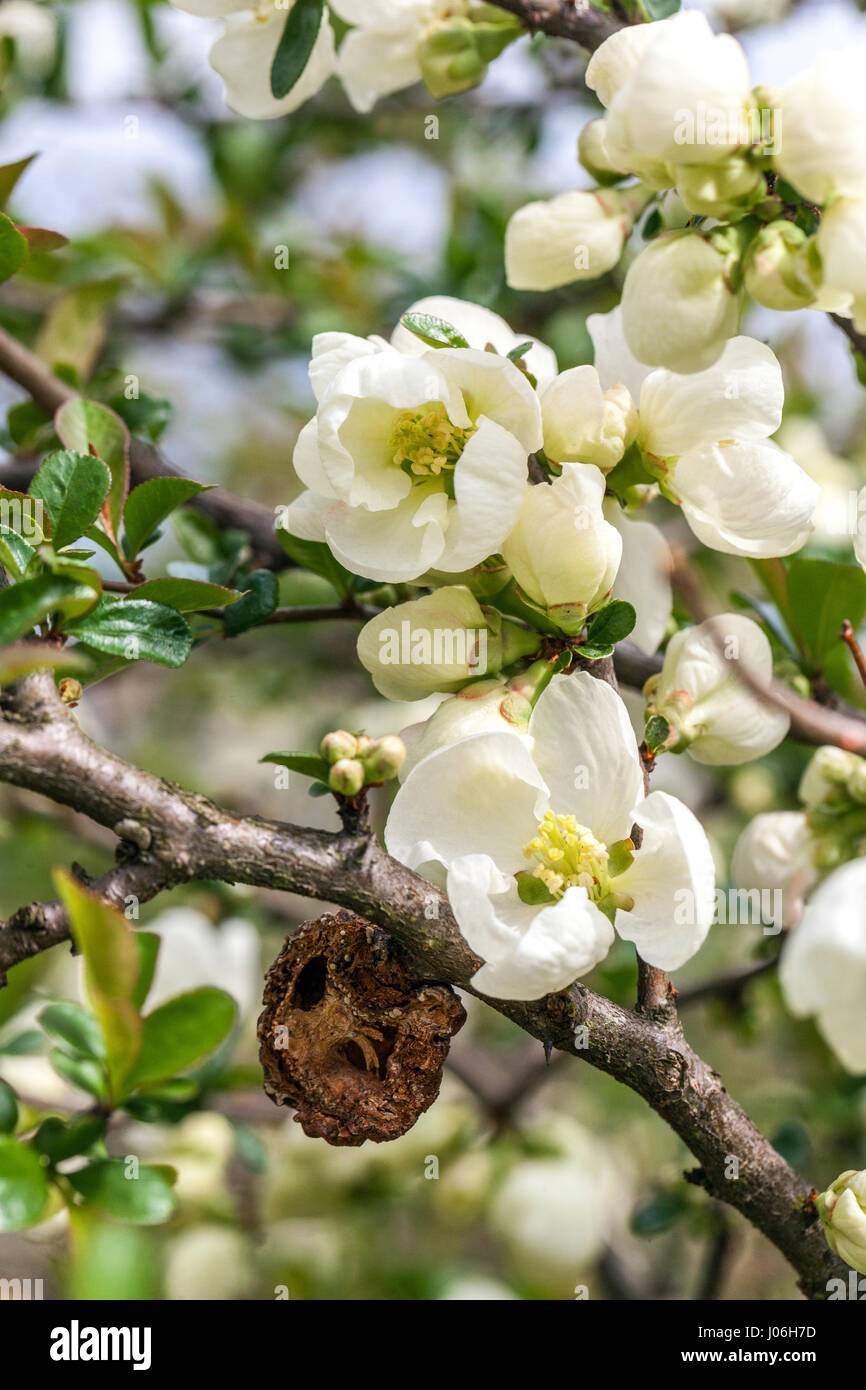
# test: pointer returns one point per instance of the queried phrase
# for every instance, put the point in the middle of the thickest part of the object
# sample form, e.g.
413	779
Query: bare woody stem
168	836
565	19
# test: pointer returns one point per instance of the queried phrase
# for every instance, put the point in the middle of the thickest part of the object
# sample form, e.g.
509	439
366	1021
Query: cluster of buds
358	761
833	789
456	50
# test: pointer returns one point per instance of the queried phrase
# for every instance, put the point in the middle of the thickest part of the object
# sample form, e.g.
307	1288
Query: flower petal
493	386
740	397
585	750
528	951
746	499
372	64
479	327
243	58
614	359
395	545
643	579
490	479
672	881
482	795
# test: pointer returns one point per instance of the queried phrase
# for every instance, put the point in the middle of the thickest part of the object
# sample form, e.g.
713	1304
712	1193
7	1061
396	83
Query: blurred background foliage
523	1181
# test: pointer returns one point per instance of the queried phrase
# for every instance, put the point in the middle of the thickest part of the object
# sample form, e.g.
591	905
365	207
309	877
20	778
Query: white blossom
574	236
703	691
584	423
774	852
823	967
822	126
678	307
530	842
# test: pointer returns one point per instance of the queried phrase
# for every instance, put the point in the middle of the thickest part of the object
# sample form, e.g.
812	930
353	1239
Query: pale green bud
857	783
717	190
385	758
454	54
827	771
782	267
592	153
346	777
842	1209
338	745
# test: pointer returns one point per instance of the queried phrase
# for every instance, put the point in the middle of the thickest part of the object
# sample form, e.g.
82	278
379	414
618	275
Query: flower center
567	855
425	444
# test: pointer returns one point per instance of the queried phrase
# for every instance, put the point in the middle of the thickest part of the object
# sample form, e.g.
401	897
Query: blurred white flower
195	953
823	967
532	839
211	1263
33	30
774	852
477	1288
822	126
574	236
842	243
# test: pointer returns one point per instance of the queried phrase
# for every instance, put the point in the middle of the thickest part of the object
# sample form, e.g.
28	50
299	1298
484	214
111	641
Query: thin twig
848	637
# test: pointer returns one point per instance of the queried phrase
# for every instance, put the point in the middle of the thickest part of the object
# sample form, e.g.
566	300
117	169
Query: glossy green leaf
28	603
187	595
316	557
72	488
148	505
70	1024
433	331
180	1032
137	630
9	176
147	943
15	553
109	1184
297	42
23	1186
822	595
82	1072
88	427
255	605
307	764
58	1139
8	1109
13	247
611	624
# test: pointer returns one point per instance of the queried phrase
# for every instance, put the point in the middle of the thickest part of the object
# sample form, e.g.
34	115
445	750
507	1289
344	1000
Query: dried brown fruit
349	1035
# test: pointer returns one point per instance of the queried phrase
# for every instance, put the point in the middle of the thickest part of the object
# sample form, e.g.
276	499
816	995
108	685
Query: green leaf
317	558
145	1200
180	1032
822	595
147	944
137	630
308	764
145	415
58	1139
8	1109
433	331
150	503
29	602
21	513
520	350
297	42
22	1044
658	9
13	247
72	334
658	1215
72	488
656	733
9	176
258	603
71	1024
111	973
187	595
249	1148
28	425
91	427
15	553
611	624
594	653
82	1072
23	1186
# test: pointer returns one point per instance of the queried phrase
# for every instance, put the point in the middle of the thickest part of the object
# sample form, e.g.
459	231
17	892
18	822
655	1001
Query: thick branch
565	19
22	366
169	835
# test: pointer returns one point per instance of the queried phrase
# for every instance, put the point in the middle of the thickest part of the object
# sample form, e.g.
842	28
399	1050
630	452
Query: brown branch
169	835
28	371
565	19
849	638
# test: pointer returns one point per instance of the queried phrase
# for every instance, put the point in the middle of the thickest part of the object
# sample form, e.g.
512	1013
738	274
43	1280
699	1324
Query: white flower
243	56
675	92
842	1209
774	853
574	236
823	968
822	127
678	308
860	533
562	552
434	643
480	708
33	28
413	463
488	809
584	423
195	953
482	329
703	694
704	436
842	243
827	774
380	54
643	578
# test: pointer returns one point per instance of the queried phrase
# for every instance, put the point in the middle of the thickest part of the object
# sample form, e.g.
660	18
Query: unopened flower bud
346	777
574	236
435	643
678	305
338	745
826	774
385	758
581	422
592	153
782	267
842	1209
857	783
70	690
454	54
718	190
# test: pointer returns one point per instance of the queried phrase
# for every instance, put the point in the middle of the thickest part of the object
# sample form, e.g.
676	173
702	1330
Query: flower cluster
762	189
